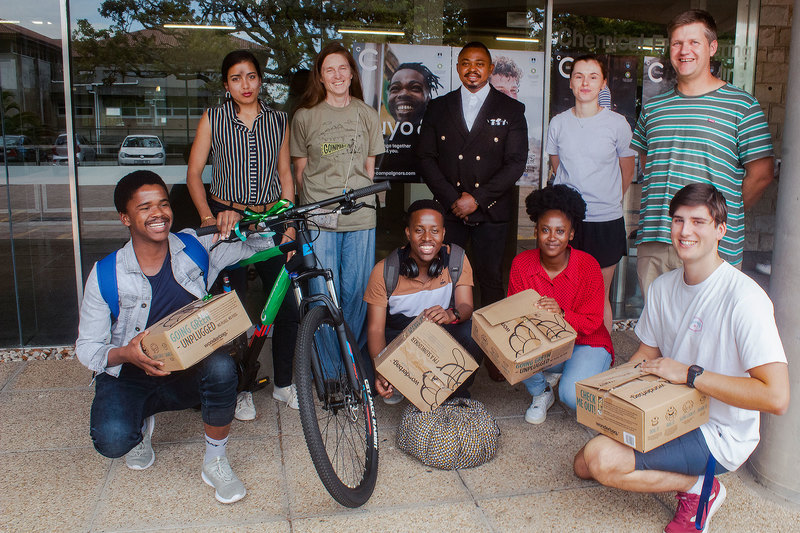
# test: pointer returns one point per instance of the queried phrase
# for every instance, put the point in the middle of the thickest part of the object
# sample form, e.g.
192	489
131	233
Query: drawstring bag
460	433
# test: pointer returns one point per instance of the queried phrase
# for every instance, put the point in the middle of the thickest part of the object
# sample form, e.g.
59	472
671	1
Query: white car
142	150
83	150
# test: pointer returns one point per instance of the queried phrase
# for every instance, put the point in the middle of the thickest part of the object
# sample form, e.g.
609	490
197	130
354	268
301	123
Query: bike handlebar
347	197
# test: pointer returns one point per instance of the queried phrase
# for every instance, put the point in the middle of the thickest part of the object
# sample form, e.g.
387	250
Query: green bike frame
281	285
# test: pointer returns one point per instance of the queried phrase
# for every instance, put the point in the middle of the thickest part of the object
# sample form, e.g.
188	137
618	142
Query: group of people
707	156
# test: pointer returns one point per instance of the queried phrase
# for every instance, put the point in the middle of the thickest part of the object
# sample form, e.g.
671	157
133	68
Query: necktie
472	111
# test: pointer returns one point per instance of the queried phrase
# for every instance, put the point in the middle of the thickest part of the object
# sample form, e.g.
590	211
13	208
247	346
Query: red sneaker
683	521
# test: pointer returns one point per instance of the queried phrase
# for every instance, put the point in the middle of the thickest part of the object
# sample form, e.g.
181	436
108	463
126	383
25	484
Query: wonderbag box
640	410
194	331
520	338
425	363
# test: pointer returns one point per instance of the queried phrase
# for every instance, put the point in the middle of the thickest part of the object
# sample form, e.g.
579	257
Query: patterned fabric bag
460	433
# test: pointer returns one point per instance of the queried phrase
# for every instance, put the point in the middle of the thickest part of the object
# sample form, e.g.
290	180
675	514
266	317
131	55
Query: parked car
142	150
83	150
19	149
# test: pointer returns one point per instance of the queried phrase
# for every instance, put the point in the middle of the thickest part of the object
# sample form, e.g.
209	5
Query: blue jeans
121	404
586	361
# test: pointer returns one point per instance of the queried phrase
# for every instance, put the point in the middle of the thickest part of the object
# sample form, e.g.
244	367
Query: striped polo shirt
699	139
244	162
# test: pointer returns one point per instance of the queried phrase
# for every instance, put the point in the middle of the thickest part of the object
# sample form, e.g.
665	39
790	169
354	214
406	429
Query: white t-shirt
725	324
588	151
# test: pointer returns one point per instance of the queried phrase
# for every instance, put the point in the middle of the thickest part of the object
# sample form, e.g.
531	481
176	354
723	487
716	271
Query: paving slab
50	490
530	458
590	509
171	493
454	517
7	371
52	374
44	419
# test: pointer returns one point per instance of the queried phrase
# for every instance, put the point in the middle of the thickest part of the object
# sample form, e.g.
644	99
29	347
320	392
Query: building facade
77	78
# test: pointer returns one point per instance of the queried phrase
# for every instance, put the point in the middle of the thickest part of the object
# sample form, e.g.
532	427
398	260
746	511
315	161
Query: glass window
37	277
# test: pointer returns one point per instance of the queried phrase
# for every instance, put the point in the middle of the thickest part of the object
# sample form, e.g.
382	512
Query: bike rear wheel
337	415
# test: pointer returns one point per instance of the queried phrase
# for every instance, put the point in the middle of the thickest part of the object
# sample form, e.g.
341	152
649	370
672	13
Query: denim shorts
687	454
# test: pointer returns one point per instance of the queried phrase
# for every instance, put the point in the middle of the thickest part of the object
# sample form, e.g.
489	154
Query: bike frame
300	270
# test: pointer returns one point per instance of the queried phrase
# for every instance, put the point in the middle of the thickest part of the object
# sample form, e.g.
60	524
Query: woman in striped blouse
250	167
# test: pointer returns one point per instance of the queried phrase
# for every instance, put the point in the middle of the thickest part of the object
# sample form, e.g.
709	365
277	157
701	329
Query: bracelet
206	218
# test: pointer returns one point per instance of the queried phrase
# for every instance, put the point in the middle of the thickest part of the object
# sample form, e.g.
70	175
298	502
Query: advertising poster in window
659	76
399	80
519	75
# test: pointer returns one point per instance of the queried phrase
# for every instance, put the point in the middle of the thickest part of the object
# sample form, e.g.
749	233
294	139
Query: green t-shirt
699	139
337	141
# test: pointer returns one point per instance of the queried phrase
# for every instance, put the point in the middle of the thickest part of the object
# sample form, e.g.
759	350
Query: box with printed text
520	338
194	331
425	363
640	410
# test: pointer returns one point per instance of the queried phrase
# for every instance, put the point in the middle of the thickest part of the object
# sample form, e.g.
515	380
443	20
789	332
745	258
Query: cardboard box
521	339
193	332
640	410
425	363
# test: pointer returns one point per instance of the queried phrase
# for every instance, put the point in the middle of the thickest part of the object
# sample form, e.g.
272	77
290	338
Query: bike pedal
261	383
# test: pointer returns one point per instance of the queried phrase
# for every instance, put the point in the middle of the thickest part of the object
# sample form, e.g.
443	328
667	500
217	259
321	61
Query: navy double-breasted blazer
485	161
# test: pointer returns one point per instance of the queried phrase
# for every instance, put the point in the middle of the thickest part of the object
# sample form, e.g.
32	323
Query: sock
215	448
697	487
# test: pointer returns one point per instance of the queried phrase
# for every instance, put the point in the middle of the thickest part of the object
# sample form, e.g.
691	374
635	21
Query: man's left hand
464	206
439	315
666	368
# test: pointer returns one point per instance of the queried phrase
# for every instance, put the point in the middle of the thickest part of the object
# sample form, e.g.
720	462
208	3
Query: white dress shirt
471	103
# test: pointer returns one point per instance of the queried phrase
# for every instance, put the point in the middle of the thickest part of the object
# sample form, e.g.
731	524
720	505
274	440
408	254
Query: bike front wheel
336	409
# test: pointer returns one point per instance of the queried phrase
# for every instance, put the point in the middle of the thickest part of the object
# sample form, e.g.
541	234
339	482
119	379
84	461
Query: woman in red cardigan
570	283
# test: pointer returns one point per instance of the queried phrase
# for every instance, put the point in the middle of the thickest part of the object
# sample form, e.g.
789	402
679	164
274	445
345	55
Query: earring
227	95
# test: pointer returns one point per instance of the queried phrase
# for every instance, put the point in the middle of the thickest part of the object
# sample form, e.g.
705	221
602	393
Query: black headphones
409	268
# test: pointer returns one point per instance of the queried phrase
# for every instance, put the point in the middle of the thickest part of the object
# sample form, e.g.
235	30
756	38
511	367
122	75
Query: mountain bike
334	394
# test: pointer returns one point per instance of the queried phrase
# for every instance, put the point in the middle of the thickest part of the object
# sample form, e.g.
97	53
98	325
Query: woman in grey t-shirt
589	149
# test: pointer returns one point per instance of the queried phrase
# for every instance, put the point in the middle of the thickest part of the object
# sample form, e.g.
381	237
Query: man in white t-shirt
710	327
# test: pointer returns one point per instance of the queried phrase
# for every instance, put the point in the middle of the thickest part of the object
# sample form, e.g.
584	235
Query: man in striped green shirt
704	130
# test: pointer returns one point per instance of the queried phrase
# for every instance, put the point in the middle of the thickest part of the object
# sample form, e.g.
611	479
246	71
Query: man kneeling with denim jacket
156	276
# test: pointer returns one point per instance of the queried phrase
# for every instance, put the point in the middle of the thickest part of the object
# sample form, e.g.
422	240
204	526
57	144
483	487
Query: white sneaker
142	455
395	398
218	473
537	412
288	395
245	410
552	378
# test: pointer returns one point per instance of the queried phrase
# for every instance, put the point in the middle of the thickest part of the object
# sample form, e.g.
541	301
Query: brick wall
772	69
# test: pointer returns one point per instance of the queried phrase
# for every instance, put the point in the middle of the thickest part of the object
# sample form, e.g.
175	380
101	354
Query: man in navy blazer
471	149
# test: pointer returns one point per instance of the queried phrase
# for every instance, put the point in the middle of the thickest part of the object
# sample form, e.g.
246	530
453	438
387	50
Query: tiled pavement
53	480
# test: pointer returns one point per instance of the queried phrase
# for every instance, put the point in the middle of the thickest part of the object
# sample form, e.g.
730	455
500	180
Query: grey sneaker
395	398
287	395
217	473
245	409
537	412
142	455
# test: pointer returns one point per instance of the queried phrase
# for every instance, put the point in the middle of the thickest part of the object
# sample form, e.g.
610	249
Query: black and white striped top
244	163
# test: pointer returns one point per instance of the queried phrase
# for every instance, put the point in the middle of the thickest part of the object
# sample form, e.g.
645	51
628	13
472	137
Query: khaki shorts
652	260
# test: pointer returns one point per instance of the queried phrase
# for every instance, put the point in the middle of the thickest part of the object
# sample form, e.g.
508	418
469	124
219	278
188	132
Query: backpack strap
196	252
391	271
455	263
107	271
107	281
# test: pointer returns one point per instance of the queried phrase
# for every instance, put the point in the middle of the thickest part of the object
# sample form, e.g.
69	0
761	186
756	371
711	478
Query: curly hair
561	197
504	66
431	79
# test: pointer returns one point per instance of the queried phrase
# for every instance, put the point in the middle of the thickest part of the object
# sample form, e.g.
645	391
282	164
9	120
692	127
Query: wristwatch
455	314
691	375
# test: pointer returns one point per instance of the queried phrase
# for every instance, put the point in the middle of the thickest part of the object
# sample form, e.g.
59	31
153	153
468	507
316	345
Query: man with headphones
432	279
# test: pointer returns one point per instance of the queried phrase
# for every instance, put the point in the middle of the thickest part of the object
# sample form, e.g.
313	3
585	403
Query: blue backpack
107	271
